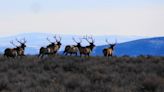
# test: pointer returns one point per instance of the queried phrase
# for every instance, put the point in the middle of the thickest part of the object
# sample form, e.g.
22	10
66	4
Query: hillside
74	74
150	46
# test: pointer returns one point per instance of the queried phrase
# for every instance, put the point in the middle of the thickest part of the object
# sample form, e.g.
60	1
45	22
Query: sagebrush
75	74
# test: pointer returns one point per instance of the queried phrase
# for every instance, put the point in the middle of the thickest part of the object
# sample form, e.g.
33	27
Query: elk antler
13	43
48	40
87	39
24	40
57	39
107	41
18	41
76	41
60	38
111	43
93	40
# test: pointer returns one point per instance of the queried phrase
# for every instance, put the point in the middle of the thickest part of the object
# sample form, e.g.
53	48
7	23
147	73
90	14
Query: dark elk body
87	49
57	45
51	48
17	51
72	49
10	52
109	51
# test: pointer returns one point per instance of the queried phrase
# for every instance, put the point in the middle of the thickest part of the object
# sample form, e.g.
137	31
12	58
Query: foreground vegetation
75	74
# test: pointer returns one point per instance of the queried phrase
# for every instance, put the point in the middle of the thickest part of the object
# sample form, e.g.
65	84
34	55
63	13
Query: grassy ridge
75	74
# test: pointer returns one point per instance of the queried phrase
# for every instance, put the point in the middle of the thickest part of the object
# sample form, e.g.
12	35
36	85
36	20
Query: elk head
22	43
58	41
52	43
112	45
78	42
90	40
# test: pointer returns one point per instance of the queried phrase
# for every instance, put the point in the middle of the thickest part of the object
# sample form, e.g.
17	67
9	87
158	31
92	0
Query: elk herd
54	46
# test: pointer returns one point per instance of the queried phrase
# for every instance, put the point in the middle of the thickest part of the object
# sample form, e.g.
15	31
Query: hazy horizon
92	17
37	33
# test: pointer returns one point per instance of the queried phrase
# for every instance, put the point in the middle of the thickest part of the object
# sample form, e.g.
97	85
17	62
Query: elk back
10	52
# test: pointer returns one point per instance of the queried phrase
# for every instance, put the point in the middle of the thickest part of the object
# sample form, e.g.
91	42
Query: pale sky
79	17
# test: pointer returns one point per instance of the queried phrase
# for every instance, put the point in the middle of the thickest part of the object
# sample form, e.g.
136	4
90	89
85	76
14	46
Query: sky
80	17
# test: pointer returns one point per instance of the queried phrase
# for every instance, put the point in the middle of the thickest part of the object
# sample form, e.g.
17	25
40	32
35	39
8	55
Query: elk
11	52
17	51
21	47
109	51
51	48
87	49
57	45
72	49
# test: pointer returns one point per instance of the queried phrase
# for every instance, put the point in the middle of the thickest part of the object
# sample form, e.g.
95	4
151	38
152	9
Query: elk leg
39	55
88	54
42	55
111	55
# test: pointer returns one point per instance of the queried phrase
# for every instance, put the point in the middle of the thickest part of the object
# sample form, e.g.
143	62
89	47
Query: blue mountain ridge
148	46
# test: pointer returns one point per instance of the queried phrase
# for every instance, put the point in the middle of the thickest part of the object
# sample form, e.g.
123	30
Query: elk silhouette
17	51
57	45
87	49
52	48
109	51
21	47
72	49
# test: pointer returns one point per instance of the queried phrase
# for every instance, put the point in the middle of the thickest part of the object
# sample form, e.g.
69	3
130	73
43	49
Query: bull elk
21	47
52	48
72	49
87	49
57	45
17	51
109	51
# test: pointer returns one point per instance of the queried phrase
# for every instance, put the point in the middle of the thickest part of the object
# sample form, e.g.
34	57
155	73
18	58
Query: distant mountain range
127	45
